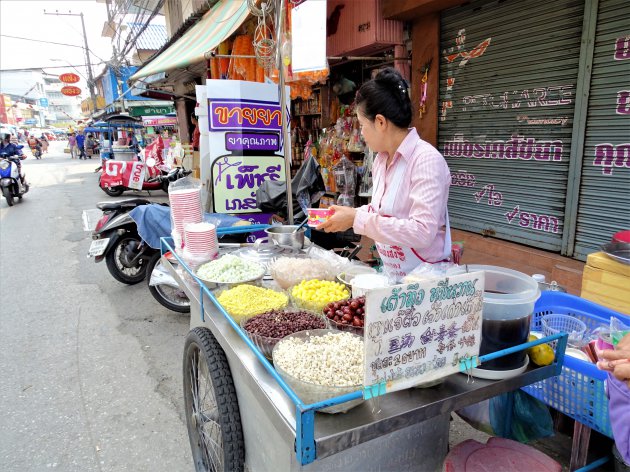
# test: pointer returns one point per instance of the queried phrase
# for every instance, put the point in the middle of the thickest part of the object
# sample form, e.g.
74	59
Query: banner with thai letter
245	141
126	173
416	333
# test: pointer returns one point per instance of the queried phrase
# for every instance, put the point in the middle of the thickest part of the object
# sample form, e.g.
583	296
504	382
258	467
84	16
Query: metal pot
285	237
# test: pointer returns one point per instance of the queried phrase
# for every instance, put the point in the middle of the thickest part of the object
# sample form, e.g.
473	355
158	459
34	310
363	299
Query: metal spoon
299	226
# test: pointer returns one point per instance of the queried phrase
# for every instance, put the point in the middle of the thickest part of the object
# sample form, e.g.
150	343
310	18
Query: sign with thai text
69	78
70	91
159	121
416	333
245	142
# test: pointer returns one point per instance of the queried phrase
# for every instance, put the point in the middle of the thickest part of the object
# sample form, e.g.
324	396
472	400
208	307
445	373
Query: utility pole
87	54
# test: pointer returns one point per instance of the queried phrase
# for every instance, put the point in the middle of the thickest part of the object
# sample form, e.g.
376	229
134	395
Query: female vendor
407	218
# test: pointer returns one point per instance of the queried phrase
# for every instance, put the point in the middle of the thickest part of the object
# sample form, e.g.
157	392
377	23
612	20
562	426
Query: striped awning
216	25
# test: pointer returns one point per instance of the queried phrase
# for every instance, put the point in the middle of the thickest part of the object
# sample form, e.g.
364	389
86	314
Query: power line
52	67
52	42
42	41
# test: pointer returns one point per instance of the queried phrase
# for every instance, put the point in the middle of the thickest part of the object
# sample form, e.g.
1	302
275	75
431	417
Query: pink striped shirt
419	212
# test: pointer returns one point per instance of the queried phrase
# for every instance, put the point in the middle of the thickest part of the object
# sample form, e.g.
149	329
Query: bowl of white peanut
320	364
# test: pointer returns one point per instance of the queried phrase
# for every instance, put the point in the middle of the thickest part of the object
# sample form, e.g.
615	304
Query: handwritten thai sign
236	178
418	332
245	146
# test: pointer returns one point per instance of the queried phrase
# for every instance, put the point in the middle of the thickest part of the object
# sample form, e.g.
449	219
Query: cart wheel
212	414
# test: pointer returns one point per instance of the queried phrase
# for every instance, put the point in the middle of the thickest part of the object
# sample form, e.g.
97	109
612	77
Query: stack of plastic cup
185	208
200	240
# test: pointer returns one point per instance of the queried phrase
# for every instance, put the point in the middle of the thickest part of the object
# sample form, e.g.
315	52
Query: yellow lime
542	354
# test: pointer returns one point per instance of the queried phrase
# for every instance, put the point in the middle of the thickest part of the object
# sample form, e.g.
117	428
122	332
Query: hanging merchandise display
344	173
422	107
506	108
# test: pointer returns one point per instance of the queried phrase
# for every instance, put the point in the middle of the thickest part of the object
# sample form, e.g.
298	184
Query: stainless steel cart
239	411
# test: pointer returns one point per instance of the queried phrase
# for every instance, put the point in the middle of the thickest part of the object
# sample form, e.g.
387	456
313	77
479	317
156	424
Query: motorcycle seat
129	203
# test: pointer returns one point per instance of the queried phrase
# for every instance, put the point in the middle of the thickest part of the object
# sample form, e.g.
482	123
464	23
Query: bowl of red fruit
347	315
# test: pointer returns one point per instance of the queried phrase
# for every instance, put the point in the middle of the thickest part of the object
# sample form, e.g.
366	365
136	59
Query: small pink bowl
317	216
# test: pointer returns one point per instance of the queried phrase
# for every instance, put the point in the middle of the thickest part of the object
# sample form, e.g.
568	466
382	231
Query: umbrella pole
284	123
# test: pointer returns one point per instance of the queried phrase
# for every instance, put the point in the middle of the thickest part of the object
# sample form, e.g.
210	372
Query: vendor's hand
617	362
341	219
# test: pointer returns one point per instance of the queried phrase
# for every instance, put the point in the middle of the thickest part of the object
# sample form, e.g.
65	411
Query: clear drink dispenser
345	173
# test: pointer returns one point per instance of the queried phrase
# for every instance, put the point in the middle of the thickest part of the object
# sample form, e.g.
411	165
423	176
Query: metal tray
618	251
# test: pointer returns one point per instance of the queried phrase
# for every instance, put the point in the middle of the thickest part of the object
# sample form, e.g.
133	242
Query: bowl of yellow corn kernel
245	301
315	294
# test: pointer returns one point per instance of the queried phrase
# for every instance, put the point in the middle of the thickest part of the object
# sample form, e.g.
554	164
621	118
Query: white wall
18	82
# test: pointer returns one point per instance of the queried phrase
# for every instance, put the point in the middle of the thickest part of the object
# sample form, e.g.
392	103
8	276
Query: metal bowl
217	284
618	251
285	237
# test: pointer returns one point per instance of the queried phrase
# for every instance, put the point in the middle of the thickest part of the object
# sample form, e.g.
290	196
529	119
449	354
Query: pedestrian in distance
90	146
81	144
45	143
72	144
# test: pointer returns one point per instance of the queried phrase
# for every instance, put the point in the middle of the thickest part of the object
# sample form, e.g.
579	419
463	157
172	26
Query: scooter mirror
150	162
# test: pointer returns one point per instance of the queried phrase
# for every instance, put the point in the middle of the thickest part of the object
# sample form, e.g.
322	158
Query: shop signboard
43	102
151	110
159	121
71	91
308	36
245	142
420	332
69	78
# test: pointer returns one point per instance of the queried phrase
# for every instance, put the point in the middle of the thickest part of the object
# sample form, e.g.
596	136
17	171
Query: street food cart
241	411
117	137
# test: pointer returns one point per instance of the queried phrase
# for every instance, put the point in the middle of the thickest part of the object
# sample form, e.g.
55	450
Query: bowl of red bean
347	315
266	329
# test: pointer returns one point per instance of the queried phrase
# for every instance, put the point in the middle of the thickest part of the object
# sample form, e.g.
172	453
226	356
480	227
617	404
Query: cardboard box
607	282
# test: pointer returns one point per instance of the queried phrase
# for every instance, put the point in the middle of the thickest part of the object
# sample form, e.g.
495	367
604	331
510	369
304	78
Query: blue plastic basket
578	391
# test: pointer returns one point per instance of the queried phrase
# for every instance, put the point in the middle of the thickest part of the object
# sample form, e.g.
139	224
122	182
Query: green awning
216	25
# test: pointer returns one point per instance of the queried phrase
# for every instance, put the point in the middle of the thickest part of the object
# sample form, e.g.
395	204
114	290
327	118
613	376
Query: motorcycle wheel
213	417
115	262
111	191
6	191
167	296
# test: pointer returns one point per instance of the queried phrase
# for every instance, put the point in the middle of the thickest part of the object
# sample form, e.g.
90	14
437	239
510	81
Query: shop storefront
531	114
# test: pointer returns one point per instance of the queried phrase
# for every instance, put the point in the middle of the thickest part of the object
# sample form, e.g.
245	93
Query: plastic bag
530	418
618	330
429	271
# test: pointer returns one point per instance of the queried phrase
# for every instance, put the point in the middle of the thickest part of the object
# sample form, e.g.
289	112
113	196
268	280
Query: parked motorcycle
12	179
160	182
163	286
116	240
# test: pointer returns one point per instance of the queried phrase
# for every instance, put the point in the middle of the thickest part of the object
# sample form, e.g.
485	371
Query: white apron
399	261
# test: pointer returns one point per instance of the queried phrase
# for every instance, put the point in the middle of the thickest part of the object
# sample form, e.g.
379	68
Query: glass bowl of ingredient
228	271
266	329
303	361
289	271
314	295
245	301
347	315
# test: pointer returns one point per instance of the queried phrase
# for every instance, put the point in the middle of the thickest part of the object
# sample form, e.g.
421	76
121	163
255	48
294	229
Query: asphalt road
90	368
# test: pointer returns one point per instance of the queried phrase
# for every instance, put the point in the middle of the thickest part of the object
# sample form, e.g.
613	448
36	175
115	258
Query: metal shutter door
508	74
604	202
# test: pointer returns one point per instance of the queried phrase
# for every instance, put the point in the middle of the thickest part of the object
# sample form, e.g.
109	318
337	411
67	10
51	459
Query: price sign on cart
416	333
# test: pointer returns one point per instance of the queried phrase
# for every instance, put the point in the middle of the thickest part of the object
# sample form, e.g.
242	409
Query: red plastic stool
498	455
